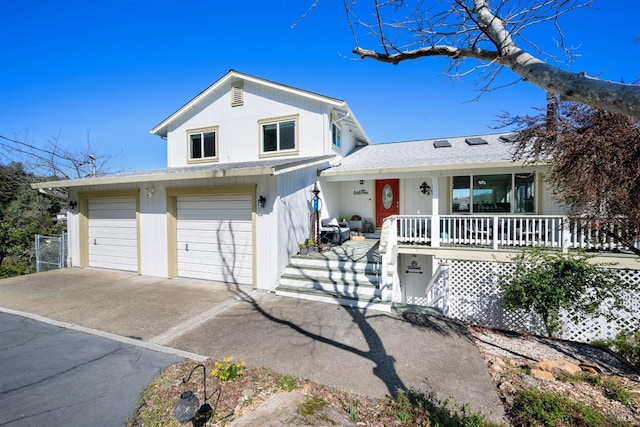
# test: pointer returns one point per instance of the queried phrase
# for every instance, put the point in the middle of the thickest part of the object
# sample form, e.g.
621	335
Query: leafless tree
53	160
493	33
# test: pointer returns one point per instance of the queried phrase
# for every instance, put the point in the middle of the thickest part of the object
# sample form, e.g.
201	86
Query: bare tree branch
472	29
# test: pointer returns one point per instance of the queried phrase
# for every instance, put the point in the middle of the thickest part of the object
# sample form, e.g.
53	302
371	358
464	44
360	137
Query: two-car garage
210	232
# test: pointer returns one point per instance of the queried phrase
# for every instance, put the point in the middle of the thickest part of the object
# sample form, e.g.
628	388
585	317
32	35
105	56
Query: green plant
626	344
548	281
353	407
417	408
533	407
286	382
227	370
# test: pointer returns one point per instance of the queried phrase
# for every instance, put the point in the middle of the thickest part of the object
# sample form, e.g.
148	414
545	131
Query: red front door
387	199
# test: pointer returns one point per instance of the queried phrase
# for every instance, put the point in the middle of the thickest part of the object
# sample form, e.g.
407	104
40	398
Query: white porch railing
438	289
497	231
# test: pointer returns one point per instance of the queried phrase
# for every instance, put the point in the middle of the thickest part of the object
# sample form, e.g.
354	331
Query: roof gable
232	77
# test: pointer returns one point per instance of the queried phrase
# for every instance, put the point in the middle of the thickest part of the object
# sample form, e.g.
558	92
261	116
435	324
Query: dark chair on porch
333	232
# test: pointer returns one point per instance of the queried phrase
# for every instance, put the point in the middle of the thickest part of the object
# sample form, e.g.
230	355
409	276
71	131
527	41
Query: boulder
556	367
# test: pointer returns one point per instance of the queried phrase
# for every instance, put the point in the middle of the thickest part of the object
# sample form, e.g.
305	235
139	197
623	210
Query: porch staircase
348	275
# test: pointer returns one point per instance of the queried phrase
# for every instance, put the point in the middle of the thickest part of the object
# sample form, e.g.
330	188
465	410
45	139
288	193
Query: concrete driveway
368	352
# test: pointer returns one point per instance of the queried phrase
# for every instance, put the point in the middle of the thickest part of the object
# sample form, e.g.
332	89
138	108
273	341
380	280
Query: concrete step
314	262
335	275
334	297
345	287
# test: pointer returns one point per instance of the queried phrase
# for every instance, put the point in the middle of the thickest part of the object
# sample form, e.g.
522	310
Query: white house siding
293	210
238	129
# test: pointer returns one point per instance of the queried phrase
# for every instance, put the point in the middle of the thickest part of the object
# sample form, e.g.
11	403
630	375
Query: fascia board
132	179
426	168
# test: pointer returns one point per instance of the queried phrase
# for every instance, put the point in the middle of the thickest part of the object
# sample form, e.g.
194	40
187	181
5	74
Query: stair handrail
435	293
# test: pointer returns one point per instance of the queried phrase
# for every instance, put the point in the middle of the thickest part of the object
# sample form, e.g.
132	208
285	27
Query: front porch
370	273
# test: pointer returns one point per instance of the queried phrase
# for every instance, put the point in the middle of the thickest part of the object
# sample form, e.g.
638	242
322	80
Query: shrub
548	281
626	344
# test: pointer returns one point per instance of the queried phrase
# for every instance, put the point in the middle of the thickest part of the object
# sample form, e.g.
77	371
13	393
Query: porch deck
366	251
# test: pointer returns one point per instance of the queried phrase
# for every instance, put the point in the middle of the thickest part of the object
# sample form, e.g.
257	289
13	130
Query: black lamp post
317	207
187	408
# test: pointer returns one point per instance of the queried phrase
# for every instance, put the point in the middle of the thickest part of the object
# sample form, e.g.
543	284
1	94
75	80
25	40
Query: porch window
524	193
278	136
503	193
203	144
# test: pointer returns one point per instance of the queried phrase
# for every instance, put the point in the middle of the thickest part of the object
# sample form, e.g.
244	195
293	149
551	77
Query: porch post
435	212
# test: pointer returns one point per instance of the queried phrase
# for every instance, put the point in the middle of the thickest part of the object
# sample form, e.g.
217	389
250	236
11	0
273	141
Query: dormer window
203	144
278	136
336	136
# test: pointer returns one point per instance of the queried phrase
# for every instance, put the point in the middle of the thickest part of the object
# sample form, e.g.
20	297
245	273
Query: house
236	197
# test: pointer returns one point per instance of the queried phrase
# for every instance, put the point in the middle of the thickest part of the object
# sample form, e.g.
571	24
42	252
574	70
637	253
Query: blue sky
114	69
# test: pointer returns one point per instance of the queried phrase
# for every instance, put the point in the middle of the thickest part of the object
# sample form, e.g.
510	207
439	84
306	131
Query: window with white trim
278	136
203	144
503	193
336	136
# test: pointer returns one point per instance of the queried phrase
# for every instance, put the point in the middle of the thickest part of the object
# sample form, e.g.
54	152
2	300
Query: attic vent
476	141
237	95
441	143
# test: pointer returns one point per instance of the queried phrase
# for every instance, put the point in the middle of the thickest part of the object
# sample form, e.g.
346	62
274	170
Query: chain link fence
51	252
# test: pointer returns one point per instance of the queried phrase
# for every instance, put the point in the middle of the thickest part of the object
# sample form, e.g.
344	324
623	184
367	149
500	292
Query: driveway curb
125	340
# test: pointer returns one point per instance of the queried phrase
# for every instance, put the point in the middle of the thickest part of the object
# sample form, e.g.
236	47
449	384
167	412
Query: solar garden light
188	409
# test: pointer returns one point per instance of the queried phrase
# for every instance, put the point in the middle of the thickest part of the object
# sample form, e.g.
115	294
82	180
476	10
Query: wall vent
237	95
476	141
441	143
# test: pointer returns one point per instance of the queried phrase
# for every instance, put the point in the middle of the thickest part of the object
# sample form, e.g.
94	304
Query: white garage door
113	241
215	238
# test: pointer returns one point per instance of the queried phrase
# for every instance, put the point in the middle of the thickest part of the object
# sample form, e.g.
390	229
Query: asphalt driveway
54	376
367	352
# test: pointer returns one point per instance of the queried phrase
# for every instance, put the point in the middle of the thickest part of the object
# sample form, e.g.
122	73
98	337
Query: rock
542	375
507	388
529	381
558	366
497	365
591	367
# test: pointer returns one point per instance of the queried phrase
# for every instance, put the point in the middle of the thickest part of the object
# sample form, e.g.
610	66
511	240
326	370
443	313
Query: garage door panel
218	233
192	236
215	258
244	276
112	233
216	225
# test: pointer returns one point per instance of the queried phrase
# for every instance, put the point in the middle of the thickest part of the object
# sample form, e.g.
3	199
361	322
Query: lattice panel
476	297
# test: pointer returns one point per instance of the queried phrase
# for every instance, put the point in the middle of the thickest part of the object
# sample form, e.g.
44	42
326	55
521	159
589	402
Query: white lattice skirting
475	297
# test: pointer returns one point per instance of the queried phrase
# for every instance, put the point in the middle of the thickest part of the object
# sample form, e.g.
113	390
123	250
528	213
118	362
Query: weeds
626	344
534	408
286	382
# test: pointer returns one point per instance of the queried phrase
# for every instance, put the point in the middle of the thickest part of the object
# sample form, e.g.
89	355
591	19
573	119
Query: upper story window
336	136
278	136
203	144
503	193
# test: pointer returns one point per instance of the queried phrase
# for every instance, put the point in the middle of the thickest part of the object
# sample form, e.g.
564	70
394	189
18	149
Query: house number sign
414	268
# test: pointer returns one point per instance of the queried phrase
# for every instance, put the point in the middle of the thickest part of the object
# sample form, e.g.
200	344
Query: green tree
547	282
28	214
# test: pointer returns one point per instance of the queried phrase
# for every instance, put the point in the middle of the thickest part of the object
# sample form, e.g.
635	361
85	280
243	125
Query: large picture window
501	193
278	136
203	144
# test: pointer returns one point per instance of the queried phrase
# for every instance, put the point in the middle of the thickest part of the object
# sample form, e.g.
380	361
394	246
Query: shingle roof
412	155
